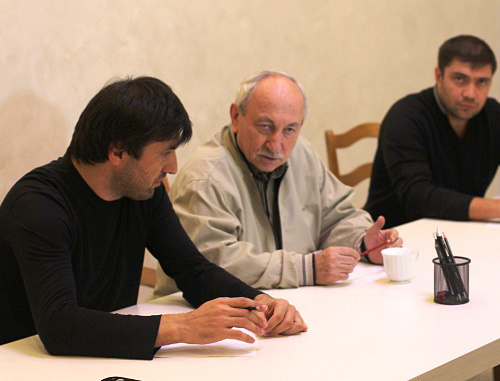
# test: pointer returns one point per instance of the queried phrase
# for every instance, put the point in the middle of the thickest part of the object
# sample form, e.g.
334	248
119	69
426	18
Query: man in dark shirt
73	235
439	149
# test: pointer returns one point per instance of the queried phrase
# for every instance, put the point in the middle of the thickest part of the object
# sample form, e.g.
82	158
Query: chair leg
496	373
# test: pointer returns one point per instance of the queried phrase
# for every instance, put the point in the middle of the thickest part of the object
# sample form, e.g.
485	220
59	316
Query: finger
348	252
345	267
249	304
239	302
397	243
278	312
377	226
285	324
350	260
239	322
258	318
247	311
298	325
394	237
343	275
350	269
258	308
296	328
236	334
380	222
236	307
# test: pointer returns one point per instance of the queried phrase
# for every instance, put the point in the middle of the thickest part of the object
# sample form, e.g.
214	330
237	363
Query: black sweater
423	169
67	258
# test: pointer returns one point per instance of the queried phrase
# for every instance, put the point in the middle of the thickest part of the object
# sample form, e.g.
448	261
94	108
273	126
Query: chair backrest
165	183
148	276
346	139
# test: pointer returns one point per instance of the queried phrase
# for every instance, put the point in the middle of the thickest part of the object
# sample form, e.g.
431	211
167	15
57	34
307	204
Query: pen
449	248
375	247
451	274
253	308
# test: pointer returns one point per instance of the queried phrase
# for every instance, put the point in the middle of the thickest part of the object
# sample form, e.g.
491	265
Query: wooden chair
148	276
337	141
165	183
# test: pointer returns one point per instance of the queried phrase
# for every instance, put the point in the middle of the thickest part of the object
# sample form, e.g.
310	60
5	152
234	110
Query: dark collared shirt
268	184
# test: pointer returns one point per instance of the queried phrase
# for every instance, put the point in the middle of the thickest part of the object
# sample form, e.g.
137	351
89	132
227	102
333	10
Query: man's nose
274	142
469	91
171	165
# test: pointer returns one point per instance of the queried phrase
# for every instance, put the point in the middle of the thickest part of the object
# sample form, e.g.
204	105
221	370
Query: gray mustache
273	155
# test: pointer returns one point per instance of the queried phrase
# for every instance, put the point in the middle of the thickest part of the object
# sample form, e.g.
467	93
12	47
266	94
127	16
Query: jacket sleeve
342	224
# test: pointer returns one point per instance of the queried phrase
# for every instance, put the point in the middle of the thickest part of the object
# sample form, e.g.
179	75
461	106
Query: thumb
377	226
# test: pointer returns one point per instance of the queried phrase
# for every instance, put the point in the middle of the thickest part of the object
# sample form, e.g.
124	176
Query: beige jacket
218	204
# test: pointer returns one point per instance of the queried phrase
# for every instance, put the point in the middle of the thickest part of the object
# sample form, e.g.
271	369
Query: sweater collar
438	101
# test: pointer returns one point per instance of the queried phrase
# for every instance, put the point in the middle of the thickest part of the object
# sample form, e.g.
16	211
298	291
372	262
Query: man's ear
116	154
235	113
438	75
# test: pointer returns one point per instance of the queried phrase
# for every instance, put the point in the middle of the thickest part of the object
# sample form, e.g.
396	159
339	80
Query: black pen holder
451	281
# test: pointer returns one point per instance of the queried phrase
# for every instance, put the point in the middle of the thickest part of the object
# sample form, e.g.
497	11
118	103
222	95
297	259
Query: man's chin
267	169
466	115
269	165
146	195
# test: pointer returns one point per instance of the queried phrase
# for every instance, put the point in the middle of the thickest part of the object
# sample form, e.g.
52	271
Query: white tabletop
364	328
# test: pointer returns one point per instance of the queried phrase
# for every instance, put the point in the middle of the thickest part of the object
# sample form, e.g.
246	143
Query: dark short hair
129	113
467	49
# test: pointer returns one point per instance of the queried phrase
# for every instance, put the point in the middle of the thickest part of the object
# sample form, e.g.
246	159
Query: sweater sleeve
199	279
408	146
41	239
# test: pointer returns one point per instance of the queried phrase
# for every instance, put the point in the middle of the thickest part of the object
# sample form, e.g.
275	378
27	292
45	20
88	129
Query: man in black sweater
439	149
73	235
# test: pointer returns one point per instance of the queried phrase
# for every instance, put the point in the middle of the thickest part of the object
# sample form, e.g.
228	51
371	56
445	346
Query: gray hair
247	88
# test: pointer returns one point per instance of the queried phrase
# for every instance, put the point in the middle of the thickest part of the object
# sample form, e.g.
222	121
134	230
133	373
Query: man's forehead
163	144
467	68
276	93
275	84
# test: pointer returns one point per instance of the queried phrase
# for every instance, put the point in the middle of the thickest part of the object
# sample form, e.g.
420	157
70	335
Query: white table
365	328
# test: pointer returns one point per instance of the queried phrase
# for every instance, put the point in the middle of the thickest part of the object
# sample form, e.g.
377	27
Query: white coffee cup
399	263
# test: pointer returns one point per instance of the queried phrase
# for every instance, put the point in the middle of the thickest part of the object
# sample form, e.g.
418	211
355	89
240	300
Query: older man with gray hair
258	201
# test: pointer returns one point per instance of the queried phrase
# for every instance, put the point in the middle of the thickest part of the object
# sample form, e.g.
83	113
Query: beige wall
354	58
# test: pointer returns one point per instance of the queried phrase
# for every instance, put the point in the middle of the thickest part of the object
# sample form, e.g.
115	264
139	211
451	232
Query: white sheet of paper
365	273
224	348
